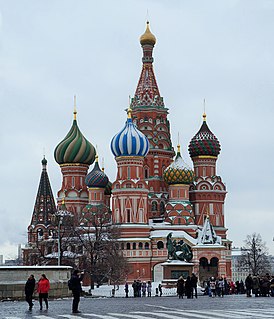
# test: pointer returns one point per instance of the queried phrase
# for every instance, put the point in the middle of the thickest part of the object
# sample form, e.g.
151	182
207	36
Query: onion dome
74	148
178	172
96	178
44	161
129	141
204	142
148	37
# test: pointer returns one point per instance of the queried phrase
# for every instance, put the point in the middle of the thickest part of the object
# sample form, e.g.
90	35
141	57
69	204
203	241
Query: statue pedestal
173	269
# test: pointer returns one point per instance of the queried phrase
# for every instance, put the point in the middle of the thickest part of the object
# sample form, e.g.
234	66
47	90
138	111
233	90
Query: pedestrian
126	289
149	288
180	287
226	286
248	285
139	287
43	289
29	289
221	287
76	288
272	286
194	281
144	288
135	288
212	285
255	285
160	288
188	287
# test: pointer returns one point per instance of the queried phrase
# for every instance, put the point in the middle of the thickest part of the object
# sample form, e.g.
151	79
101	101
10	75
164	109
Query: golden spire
178	145
129	113
207	212
148	37
103	164
129	110
63	201
204	115
75	111
96	155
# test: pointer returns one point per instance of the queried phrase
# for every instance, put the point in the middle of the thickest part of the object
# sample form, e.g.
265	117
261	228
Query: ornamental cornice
74	164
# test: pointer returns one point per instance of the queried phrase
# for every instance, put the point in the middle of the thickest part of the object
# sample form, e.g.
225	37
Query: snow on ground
106	290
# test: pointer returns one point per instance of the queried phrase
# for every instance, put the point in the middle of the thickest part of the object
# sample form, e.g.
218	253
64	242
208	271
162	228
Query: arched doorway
208	269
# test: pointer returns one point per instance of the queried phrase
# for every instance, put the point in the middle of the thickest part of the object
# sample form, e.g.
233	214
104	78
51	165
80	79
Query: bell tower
149	114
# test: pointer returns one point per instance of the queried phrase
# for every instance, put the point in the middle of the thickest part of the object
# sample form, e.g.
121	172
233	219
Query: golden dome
147	37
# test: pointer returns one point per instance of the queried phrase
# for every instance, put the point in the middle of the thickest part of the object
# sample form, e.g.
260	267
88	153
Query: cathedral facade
155	194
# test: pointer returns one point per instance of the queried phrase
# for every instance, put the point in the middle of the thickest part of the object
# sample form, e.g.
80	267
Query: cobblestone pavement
238	307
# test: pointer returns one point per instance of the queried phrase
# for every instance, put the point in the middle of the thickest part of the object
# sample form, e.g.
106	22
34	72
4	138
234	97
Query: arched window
154	207
146	245
122	246
146	173
203	262
134	246
162	207
160	244
214	261
40	233
128	246
140	246
128	215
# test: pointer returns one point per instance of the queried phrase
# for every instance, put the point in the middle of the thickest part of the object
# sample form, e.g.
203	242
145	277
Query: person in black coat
29	289
180	287
248	285
194	281
188	287
76	288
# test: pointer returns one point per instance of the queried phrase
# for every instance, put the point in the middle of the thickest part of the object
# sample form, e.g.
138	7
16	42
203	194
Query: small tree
101	256
255	255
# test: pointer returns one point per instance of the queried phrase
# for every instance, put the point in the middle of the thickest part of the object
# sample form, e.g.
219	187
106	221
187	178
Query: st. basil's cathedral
155	195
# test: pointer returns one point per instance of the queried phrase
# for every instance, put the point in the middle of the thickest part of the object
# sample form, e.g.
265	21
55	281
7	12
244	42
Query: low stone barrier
13	279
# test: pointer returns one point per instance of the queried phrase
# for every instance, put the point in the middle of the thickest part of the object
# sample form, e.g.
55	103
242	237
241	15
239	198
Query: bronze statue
178	251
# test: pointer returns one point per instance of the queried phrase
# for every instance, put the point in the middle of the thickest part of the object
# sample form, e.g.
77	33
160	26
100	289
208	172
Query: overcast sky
219	50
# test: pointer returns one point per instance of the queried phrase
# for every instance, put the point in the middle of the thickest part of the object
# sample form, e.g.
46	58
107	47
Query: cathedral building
155	196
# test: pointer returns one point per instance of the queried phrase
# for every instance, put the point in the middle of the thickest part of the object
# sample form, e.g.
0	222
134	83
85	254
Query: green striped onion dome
178	171
204	143
74	148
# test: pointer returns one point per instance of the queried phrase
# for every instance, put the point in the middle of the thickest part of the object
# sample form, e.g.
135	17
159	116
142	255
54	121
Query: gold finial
178	148
63	201
103	164
129	113
75	111
148	37
204	115
207	213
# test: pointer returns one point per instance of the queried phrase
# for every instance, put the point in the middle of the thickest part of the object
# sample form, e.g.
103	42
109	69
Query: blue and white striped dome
129	141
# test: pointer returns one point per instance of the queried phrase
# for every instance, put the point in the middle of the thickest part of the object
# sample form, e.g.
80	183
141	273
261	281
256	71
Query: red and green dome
204	142
74	148
178	171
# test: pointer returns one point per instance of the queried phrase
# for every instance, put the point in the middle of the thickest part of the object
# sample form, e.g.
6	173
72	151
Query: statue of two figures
178	250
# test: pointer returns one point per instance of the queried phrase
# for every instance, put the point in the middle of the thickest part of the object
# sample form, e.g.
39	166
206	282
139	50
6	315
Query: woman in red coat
43	289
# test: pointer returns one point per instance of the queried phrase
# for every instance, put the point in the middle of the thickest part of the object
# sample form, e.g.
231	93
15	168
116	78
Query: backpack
70	286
